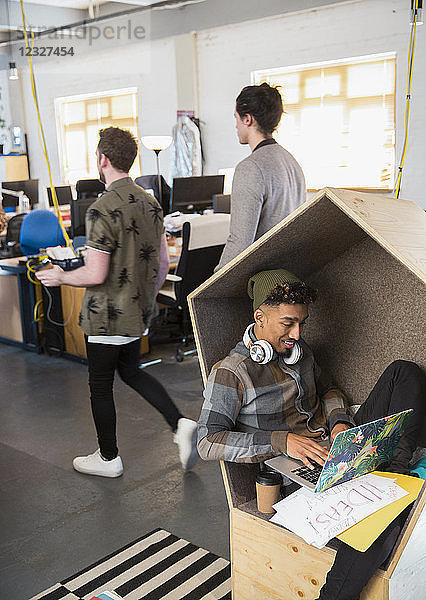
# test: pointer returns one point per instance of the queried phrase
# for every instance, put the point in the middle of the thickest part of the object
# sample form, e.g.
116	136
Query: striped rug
158	566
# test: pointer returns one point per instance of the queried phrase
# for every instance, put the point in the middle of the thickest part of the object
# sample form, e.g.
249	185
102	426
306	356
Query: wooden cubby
366	255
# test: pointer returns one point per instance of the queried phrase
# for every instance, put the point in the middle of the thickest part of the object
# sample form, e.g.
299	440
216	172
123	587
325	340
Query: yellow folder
363	534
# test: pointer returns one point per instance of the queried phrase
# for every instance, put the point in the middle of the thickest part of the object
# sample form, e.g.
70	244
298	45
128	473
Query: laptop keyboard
311	475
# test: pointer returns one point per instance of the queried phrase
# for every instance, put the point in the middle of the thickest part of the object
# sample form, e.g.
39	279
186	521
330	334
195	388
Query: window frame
61	127
307	70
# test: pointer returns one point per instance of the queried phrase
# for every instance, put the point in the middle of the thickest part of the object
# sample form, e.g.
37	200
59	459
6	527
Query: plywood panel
71	304
407	531
270	562
398	225
74	337
353	334
10	313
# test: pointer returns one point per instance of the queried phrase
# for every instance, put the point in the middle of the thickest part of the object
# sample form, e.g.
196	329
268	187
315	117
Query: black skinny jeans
401	386
103	360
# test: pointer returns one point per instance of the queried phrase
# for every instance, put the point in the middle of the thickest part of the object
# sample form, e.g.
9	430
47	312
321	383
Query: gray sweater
268	185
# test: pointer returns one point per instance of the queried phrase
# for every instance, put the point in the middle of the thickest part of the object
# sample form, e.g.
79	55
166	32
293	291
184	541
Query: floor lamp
158	143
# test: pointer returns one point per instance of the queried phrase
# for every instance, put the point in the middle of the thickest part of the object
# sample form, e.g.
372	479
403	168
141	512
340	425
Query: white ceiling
60	3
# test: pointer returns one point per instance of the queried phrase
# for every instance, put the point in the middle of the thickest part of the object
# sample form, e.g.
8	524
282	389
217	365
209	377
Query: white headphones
262	352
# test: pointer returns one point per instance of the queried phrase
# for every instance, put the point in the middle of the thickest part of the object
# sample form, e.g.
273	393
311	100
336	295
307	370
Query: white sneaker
94	464
186	439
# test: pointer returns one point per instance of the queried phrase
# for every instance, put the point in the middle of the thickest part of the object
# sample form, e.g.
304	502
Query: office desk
61	306
17	301
70	303
63	333
174	246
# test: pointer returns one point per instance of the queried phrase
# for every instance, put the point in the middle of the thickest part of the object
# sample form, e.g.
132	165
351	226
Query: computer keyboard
311	475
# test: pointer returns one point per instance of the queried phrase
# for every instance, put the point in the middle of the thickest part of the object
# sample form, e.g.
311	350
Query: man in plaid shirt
267	397
254	411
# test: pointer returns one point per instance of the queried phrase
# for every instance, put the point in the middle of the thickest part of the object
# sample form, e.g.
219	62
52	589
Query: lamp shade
156	142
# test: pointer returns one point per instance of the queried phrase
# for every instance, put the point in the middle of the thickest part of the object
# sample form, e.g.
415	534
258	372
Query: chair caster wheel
179	355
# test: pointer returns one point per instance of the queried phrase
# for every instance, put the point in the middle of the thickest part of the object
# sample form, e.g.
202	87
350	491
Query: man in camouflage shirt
126	264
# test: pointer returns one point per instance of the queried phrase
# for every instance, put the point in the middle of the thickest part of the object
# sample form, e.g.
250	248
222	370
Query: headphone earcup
261	352
295	356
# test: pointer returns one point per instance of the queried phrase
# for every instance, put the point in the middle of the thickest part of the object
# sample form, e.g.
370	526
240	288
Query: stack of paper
319	517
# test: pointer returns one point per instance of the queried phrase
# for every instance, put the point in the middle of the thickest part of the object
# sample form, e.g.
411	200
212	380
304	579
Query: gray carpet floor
54	521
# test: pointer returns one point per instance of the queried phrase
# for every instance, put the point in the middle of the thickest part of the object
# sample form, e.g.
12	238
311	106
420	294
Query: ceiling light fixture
13	71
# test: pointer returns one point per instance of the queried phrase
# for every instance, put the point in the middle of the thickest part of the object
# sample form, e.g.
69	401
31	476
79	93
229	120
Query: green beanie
261	284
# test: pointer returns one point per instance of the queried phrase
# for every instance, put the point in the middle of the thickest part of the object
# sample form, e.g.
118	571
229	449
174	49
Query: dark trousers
103	360
401	386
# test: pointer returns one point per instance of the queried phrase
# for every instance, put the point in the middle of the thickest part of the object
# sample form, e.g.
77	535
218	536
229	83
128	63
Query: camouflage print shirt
126	222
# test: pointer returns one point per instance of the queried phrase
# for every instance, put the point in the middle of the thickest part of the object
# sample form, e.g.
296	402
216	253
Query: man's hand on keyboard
306	450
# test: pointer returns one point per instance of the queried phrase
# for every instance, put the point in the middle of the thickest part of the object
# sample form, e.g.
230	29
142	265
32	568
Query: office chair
11	247
203	240
222	203
40	229
89	188
87	191
150	182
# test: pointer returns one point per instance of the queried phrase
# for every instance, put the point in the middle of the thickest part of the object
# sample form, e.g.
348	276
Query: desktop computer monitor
63	194
29	187
151	182
194	194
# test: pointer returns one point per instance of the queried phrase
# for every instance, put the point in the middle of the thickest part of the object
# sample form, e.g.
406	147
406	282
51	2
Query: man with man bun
269	184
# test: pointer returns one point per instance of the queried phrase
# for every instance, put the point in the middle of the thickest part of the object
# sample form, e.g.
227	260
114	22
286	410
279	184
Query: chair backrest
203	240
14	228
89	188
87	191
79	208
40	229
150	182
222	203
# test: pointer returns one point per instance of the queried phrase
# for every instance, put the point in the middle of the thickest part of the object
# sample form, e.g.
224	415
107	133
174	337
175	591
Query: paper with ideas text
319	517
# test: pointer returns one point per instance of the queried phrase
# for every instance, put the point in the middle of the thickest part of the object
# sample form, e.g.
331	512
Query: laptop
354	452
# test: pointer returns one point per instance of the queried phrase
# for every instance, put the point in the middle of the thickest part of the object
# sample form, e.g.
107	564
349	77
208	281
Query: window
79	119
339	120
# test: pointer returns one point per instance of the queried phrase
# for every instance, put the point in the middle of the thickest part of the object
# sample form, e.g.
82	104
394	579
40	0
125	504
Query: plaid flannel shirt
249	408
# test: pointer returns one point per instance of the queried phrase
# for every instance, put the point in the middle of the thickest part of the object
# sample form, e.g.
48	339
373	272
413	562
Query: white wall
149	66
5	138
227	55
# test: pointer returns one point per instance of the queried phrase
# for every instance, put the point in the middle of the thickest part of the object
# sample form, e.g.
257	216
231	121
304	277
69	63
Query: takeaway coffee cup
268	486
